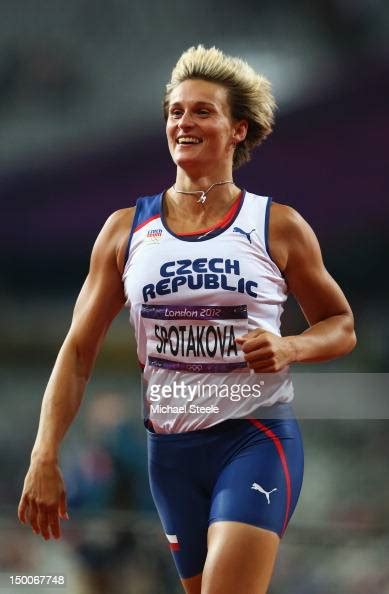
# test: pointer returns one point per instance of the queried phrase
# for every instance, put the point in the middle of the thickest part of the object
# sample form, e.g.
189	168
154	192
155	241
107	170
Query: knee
192	585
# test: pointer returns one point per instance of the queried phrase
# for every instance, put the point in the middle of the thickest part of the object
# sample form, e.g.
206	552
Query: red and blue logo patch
154	233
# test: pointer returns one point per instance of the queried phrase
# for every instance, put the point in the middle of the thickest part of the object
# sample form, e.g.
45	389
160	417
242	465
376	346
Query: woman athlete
205	268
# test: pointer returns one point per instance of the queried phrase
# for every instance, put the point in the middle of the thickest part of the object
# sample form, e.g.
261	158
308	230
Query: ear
240	131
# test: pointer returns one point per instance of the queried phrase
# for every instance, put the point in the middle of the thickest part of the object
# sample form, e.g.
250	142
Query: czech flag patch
173	542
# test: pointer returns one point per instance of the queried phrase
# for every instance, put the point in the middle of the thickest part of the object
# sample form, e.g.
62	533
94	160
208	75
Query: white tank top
189	298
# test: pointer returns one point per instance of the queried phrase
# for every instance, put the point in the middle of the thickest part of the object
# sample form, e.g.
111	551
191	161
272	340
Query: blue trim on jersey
266	229
207	235
146	207
266	233
149	206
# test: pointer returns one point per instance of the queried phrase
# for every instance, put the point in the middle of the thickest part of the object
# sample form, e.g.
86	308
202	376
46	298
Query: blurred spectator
38	76
102	478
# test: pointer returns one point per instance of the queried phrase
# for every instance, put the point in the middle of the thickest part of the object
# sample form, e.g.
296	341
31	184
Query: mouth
188	140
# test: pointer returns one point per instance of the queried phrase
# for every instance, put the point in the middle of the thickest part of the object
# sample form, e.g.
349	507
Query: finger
63	512
264	367
43	522
256	343
251	334
241	339
33	516
54	524
259	355
22	509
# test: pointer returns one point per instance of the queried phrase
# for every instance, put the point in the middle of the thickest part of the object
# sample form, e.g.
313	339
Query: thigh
183	508
240	559
260	484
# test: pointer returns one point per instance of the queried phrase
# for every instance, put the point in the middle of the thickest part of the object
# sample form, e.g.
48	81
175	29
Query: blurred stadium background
81	135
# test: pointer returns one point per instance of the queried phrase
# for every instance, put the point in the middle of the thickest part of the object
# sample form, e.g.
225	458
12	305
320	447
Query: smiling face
199	127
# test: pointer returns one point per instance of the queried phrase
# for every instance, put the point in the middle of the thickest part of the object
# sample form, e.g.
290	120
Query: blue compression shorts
243	470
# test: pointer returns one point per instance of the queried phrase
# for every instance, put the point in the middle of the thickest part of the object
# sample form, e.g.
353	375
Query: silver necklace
203	194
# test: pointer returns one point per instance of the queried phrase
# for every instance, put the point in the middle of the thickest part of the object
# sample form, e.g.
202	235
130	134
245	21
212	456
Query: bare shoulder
288	231
113	237
121	218
285	218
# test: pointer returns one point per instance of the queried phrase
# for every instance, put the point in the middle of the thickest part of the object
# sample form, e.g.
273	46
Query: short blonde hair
249	93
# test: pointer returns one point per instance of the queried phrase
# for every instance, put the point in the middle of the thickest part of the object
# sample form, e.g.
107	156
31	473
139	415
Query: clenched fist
266	352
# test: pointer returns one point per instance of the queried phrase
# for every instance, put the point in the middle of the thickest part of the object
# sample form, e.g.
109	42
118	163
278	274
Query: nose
185	121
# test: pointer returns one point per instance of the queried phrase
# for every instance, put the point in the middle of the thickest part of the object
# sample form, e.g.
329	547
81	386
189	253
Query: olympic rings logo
194	368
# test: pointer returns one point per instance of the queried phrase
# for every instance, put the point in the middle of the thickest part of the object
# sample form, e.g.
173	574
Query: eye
203	112
175	113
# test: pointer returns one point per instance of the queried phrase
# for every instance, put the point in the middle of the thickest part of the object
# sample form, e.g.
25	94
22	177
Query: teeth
188	139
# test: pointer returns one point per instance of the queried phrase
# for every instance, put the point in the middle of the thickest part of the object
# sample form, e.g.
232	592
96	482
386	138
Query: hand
266	352
43	501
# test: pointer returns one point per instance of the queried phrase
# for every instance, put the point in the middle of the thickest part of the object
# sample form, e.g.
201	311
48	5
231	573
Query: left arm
296	251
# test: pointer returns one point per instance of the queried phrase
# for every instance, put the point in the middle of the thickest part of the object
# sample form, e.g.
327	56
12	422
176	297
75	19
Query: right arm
101	298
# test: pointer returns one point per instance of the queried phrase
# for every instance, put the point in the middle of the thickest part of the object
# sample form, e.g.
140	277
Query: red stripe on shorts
284	463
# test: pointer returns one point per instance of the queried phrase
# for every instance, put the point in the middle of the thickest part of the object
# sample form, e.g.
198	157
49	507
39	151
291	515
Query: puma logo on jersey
267	494
245	233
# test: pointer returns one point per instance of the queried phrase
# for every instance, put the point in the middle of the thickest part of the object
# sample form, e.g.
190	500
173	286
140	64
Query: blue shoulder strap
147	208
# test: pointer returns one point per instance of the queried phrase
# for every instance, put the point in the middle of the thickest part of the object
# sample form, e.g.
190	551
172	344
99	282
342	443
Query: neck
193	180
202	194
217	195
